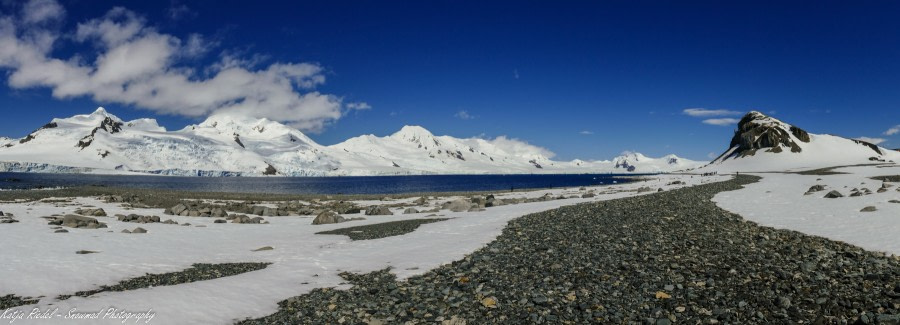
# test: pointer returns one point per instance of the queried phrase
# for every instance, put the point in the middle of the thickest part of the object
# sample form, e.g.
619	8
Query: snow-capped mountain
227	145
764	143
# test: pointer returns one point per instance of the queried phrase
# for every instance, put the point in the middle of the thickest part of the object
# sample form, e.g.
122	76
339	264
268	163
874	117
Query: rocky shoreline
381	230
669	257
197	272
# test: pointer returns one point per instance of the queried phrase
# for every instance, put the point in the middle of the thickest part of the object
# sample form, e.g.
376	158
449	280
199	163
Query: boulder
410	211
869	209
137	218
643	189
378	210
139	230
587	195
91	212
258	210
459	205
178	209
815	188
218	213
270	212
327	217
833	195
74	221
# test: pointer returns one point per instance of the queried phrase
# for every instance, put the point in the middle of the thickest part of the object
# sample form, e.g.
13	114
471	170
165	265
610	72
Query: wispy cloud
178	11
516	73
702	112
138	65
721	121
359	106
875	141
893	130
464	115
586	132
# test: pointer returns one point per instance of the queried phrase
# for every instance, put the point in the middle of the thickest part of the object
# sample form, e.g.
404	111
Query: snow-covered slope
227	145
763	143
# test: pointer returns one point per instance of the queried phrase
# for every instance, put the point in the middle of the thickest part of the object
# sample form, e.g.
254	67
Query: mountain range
231	145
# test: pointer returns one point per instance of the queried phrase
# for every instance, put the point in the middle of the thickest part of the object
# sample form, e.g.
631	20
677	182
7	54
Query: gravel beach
197	272
669	257
381	230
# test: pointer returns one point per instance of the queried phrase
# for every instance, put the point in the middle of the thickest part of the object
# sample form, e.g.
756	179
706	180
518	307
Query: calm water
312	185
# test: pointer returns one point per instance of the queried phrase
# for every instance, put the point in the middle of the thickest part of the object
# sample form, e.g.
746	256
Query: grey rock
328	217
833	195
869	209
459	205
75	221
815	188
378	210
178	209
410	211
139	230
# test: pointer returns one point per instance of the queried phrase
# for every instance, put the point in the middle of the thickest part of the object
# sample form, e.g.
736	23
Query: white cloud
893	130
712	155
875	141
464	115
519	147
586	132
134	64
721	121
702	112
38	11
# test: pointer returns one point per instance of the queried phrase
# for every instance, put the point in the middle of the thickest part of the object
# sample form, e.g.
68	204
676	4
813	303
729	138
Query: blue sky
584	79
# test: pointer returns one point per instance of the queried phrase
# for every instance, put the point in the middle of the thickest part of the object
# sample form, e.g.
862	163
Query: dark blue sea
312	185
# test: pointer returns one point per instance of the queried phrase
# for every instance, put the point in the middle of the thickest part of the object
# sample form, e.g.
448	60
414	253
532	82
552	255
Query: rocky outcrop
91	212
73	221
137	218
756	131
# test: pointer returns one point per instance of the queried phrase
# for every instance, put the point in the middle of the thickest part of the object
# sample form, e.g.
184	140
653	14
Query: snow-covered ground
40	263
778	201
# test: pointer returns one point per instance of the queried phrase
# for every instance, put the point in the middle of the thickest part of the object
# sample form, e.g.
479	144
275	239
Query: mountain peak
415	133
98	117
252	127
